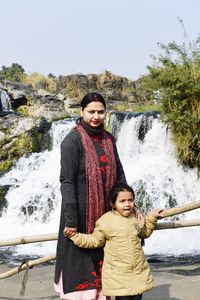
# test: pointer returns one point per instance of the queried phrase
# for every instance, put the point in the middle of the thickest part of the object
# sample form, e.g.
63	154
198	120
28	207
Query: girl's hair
119	187
91	97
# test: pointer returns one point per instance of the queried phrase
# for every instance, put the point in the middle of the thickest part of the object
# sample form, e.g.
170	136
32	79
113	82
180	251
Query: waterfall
34	195
5	102
152	169
159	180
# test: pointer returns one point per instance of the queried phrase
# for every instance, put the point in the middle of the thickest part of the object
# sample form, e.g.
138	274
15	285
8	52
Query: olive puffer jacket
125	268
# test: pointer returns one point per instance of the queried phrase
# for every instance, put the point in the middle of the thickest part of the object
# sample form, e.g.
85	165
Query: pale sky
90	36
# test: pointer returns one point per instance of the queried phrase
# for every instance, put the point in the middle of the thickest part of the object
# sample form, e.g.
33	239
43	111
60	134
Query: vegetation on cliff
13	73
16	73
174	80
15	145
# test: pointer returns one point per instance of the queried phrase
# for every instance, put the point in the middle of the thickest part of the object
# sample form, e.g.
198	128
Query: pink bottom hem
79	295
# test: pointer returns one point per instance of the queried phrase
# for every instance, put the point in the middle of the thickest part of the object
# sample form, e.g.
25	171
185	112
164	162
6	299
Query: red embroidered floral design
95	284
103	158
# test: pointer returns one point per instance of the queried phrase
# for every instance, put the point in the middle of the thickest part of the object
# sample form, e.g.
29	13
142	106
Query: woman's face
94	114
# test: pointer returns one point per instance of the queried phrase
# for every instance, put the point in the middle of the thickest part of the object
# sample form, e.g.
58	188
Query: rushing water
5	103
151	167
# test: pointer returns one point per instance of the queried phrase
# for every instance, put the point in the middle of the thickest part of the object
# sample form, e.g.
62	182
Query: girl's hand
158	213
69	232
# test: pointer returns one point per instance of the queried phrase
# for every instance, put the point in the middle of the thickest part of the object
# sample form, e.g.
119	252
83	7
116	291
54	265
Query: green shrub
14	73
174	80
39	81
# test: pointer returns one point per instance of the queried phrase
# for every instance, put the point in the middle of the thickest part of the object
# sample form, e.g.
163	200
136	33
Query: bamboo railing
181	209
54	236
177	224
50	237
28	265
29	239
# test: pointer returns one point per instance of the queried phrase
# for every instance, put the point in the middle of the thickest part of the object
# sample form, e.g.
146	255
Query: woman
89	167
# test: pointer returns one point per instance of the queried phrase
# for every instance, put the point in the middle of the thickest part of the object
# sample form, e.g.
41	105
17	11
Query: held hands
158	213
69	232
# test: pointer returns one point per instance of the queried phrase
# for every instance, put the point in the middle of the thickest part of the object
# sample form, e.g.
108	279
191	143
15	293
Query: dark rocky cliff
24	128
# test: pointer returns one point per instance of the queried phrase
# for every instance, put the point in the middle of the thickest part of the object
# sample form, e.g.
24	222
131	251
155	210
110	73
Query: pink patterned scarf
96	196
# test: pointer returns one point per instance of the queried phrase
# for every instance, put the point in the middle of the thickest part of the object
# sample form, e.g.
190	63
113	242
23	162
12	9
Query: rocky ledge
26	113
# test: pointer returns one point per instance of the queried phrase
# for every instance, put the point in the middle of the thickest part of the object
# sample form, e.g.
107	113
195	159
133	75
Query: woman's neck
91	130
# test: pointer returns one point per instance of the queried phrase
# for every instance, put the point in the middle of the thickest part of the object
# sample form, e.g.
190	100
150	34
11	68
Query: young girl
125	273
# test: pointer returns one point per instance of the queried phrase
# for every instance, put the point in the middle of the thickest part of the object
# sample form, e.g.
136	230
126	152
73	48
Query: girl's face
94	114
124	203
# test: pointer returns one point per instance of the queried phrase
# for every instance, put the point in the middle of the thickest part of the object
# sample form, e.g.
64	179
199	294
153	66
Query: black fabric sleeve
68	179
120	171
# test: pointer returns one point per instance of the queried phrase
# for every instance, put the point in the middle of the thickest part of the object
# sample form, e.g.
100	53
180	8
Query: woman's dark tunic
80	267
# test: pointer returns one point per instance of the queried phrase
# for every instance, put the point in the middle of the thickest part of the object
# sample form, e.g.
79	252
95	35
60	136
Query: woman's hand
69	231
139	215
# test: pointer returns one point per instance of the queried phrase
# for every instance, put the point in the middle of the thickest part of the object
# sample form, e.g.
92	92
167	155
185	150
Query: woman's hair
91	97
119	187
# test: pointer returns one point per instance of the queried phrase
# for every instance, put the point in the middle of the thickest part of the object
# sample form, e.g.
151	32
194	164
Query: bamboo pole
181	209
53	236
177	224
29	239
27	265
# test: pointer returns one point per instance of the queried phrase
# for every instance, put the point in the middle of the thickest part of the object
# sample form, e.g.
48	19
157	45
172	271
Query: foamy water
151	168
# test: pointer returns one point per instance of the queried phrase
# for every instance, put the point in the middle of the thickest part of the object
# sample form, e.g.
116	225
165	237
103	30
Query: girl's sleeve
149	226
68	179
93	240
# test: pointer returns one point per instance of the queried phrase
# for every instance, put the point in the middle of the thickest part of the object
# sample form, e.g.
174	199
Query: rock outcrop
117	90
24	128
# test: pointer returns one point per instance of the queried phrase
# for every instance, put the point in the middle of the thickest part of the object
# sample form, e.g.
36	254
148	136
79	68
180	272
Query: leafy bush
13	73
174	81
39	81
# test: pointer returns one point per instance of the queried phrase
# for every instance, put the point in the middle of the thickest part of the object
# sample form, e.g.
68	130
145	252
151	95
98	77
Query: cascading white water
150	165
34	197
159	180
5	102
